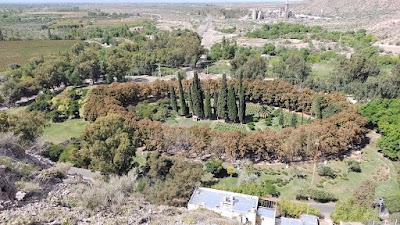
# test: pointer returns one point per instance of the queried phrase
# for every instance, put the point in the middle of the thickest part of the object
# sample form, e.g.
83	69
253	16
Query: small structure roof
290	221
214	199
309	219
266	212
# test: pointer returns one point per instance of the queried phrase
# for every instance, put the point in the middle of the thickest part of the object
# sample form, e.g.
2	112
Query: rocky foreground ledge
46	195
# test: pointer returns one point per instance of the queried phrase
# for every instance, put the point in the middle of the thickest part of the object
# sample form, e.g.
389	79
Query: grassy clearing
322	70
60	132
21	52
219	68
373	165
15	110
187	122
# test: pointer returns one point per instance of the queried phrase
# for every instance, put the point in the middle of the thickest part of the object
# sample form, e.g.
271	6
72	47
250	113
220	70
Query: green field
60	132
20	52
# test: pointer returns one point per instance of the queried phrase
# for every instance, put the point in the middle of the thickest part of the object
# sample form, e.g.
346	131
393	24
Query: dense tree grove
91	61
384	115
333	135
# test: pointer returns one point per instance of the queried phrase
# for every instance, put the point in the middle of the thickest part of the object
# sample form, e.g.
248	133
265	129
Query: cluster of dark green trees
91	61
199	103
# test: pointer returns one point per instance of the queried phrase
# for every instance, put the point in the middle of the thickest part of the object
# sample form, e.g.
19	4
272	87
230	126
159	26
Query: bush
109	194
55	152
317	195
326	171
349	211
354	166
215	167
291	209
251	125
268	121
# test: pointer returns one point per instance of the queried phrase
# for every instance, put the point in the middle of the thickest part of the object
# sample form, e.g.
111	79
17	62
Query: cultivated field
20	52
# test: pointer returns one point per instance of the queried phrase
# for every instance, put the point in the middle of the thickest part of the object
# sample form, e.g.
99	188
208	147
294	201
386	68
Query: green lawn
60	132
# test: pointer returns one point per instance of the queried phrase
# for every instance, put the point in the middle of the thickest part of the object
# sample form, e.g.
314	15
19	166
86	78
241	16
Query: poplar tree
190	98
207	105
215	103
222	99
197	97
293	122
232	107
172	97
184	111
242	101
281	119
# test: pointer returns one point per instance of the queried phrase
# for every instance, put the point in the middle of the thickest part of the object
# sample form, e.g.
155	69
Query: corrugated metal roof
290	221
309	219
213	199
266	212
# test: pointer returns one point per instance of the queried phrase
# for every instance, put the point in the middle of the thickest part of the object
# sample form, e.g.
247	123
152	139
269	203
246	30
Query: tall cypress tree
222	99
197	97
207	105
242	101
281	119
232	107
293	121
215	103
184	111
190	99
172	97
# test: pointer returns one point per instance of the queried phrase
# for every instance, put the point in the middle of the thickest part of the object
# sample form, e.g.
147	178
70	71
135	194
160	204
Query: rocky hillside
34	191
352	7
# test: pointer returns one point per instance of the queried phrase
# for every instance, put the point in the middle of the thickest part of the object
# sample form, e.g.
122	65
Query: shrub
55	152
109	194
251	125
291	209
349	211
268	121
326	171
392	203
215	167
317	195
354	166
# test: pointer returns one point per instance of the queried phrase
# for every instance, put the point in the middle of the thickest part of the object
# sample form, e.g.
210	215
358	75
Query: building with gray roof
229	204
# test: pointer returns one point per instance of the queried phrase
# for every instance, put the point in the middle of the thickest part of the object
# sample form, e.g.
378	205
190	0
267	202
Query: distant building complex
282	12
243	208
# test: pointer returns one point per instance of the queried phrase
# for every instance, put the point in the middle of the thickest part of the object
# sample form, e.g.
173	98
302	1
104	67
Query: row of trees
224	106
324	138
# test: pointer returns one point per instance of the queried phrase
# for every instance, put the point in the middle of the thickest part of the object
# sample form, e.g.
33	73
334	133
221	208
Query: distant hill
348	7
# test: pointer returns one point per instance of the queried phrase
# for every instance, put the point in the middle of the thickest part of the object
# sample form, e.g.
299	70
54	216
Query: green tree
293	121
184	111
242	102
109	143
1	35
222	99
318	105
215	167
232	107
172	97
190	98
29	125
215	103
197	97
207	105
281	119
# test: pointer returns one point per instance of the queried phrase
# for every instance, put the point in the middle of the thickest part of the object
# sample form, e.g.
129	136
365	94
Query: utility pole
315	163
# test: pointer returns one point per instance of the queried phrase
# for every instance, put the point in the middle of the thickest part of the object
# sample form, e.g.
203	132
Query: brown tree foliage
323	138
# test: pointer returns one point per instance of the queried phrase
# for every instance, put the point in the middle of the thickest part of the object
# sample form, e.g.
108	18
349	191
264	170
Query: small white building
266	216
236	206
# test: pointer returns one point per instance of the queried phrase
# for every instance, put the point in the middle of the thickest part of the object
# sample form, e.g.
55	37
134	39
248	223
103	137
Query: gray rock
20	195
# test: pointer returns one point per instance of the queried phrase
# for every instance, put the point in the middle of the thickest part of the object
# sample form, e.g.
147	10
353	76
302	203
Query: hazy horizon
129	1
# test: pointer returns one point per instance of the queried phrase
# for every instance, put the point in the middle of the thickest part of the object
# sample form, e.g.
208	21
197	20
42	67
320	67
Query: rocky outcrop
7	188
